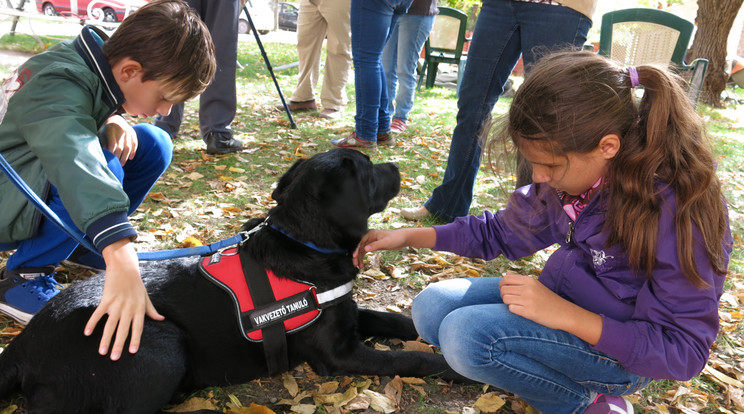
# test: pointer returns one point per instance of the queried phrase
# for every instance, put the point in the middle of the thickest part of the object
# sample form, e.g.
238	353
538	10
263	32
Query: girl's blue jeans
371	22
505	30
400	58
51	245
552	370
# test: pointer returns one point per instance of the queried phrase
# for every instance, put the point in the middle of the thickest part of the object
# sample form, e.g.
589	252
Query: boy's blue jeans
552	370
400	58
51	245
371	22
505	30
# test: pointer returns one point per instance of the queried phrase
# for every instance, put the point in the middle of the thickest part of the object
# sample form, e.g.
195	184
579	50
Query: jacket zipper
570	231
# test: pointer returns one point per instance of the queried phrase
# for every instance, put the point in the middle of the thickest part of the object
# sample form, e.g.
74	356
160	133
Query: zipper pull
570	231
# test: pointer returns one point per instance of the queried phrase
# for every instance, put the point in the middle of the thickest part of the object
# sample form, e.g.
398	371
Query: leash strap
274	338
16	179
79	236
193	251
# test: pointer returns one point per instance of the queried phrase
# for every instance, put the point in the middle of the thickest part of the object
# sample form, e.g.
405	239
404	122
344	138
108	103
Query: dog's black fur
325	200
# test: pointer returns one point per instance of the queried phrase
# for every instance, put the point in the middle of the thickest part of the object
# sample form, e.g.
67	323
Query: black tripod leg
268	66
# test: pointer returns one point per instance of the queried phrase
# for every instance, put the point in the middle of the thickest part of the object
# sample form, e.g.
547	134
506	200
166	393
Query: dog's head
328	198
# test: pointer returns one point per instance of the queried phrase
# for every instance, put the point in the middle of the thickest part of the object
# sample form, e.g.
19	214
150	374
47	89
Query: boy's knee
156	142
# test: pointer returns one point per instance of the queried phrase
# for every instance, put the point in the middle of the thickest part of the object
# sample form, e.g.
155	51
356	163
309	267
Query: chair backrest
639	36
447	35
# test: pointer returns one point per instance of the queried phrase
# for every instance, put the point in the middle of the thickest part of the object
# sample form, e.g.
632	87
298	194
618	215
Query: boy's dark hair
570	100
173	45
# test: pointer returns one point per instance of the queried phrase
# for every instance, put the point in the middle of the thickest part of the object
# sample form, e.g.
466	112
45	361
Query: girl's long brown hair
570	100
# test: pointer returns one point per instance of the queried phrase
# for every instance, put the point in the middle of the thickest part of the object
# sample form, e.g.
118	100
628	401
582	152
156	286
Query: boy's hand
124	300
121	138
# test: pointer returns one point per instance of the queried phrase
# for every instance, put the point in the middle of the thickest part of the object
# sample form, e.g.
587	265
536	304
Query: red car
104	10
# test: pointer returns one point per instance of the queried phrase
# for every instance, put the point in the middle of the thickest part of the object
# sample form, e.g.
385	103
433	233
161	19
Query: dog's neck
306	243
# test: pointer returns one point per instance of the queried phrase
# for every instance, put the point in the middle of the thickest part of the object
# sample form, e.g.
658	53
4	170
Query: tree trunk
714	21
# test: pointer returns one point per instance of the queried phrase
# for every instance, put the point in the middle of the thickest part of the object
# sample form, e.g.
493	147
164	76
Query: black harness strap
274	338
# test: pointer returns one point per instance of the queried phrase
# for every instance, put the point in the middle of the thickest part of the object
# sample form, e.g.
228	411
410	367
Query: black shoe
222	143
86	259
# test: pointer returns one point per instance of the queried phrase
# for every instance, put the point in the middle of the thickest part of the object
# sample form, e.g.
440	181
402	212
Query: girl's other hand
529	298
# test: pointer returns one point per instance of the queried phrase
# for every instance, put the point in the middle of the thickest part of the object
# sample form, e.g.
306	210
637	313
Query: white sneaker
414	213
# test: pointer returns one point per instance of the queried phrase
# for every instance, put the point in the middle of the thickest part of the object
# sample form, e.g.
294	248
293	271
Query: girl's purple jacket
660	328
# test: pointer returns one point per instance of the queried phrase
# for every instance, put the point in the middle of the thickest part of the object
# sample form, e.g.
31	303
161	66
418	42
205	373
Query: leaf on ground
360	402
193	404
191	242
417	346
234	401
489	403
376	274
157	196
394	389
328	387
9	409
380	402
336	399
252	409
721	378
290	384
690	399
194	176
303	408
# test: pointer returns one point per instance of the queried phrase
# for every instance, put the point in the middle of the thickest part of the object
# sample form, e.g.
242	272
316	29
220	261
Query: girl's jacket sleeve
673	323
531	221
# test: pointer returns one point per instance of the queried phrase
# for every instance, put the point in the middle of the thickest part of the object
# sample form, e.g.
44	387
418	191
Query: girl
629	193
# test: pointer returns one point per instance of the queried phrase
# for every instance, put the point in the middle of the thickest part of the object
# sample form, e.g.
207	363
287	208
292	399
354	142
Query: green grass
25	43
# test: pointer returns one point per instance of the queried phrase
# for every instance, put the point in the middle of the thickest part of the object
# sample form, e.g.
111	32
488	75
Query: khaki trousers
317	20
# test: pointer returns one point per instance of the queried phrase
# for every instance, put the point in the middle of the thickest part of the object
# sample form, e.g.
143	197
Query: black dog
323	204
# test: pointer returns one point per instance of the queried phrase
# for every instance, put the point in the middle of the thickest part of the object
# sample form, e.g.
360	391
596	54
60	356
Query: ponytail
668	145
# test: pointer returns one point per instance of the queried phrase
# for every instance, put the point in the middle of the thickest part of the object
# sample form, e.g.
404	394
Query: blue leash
79	236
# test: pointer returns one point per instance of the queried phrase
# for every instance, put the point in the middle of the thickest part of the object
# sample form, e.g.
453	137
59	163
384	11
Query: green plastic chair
444	45
640	36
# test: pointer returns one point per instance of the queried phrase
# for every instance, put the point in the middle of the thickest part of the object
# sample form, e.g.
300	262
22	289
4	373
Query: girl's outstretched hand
377	240
393	240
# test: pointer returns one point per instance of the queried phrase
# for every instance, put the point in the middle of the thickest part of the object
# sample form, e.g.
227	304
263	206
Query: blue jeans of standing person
400	58
505	30
371	22
552	370
51	245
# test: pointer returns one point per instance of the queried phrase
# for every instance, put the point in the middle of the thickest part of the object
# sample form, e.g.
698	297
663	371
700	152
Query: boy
52	111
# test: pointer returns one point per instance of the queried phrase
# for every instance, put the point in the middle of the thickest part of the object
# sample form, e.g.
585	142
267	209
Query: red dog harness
295	304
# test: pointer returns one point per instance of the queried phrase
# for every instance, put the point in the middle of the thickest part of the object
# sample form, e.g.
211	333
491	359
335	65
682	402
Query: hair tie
633	73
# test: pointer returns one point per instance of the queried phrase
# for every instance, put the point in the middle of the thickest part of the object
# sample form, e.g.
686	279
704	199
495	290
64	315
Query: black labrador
323	204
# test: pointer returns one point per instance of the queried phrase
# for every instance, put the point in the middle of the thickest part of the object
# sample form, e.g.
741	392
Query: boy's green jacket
54	105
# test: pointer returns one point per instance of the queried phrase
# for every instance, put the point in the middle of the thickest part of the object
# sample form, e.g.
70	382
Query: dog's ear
281	187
